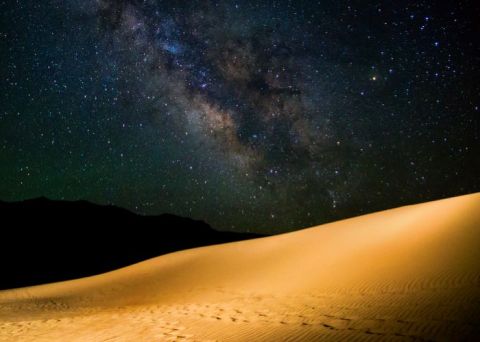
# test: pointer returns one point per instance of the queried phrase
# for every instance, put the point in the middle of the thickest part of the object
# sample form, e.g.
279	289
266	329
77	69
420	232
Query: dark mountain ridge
43	241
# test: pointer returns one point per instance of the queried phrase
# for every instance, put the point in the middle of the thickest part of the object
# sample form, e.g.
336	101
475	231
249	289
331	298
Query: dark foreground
44	241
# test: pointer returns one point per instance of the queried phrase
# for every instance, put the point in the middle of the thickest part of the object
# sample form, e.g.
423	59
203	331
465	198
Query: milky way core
250	115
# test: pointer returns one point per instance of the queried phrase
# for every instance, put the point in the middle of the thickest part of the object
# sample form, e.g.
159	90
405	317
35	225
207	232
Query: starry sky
264	116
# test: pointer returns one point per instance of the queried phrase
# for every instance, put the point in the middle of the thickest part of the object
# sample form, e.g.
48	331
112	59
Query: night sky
263	116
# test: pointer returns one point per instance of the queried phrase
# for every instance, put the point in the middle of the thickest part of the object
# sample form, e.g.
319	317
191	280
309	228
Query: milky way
266	116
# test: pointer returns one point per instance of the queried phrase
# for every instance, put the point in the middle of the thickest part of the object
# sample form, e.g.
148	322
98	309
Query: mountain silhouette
44	241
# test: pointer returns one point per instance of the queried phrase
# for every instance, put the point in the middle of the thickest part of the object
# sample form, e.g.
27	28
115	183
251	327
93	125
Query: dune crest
402	274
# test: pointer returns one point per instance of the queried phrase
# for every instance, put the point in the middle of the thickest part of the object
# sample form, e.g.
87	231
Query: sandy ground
411	273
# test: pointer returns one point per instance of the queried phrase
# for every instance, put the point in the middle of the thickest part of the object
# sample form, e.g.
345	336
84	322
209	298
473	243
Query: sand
410	273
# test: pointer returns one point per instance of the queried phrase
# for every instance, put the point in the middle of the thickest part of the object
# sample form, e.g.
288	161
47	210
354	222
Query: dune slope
410	273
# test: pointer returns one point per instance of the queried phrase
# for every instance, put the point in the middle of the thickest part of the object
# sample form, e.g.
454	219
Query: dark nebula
262	116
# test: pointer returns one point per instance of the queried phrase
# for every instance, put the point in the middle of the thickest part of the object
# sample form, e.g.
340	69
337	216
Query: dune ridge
410	273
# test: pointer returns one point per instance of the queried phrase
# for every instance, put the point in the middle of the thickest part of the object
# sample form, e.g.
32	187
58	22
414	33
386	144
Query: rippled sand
410	273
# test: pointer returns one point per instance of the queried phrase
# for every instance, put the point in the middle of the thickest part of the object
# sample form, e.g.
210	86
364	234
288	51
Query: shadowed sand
410	273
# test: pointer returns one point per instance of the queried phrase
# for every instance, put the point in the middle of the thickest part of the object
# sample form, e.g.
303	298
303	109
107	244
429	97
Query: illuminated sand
403	274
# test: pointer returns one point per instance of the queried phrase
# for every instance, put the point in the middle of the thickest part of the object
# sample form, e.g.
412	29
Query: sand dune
410	273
